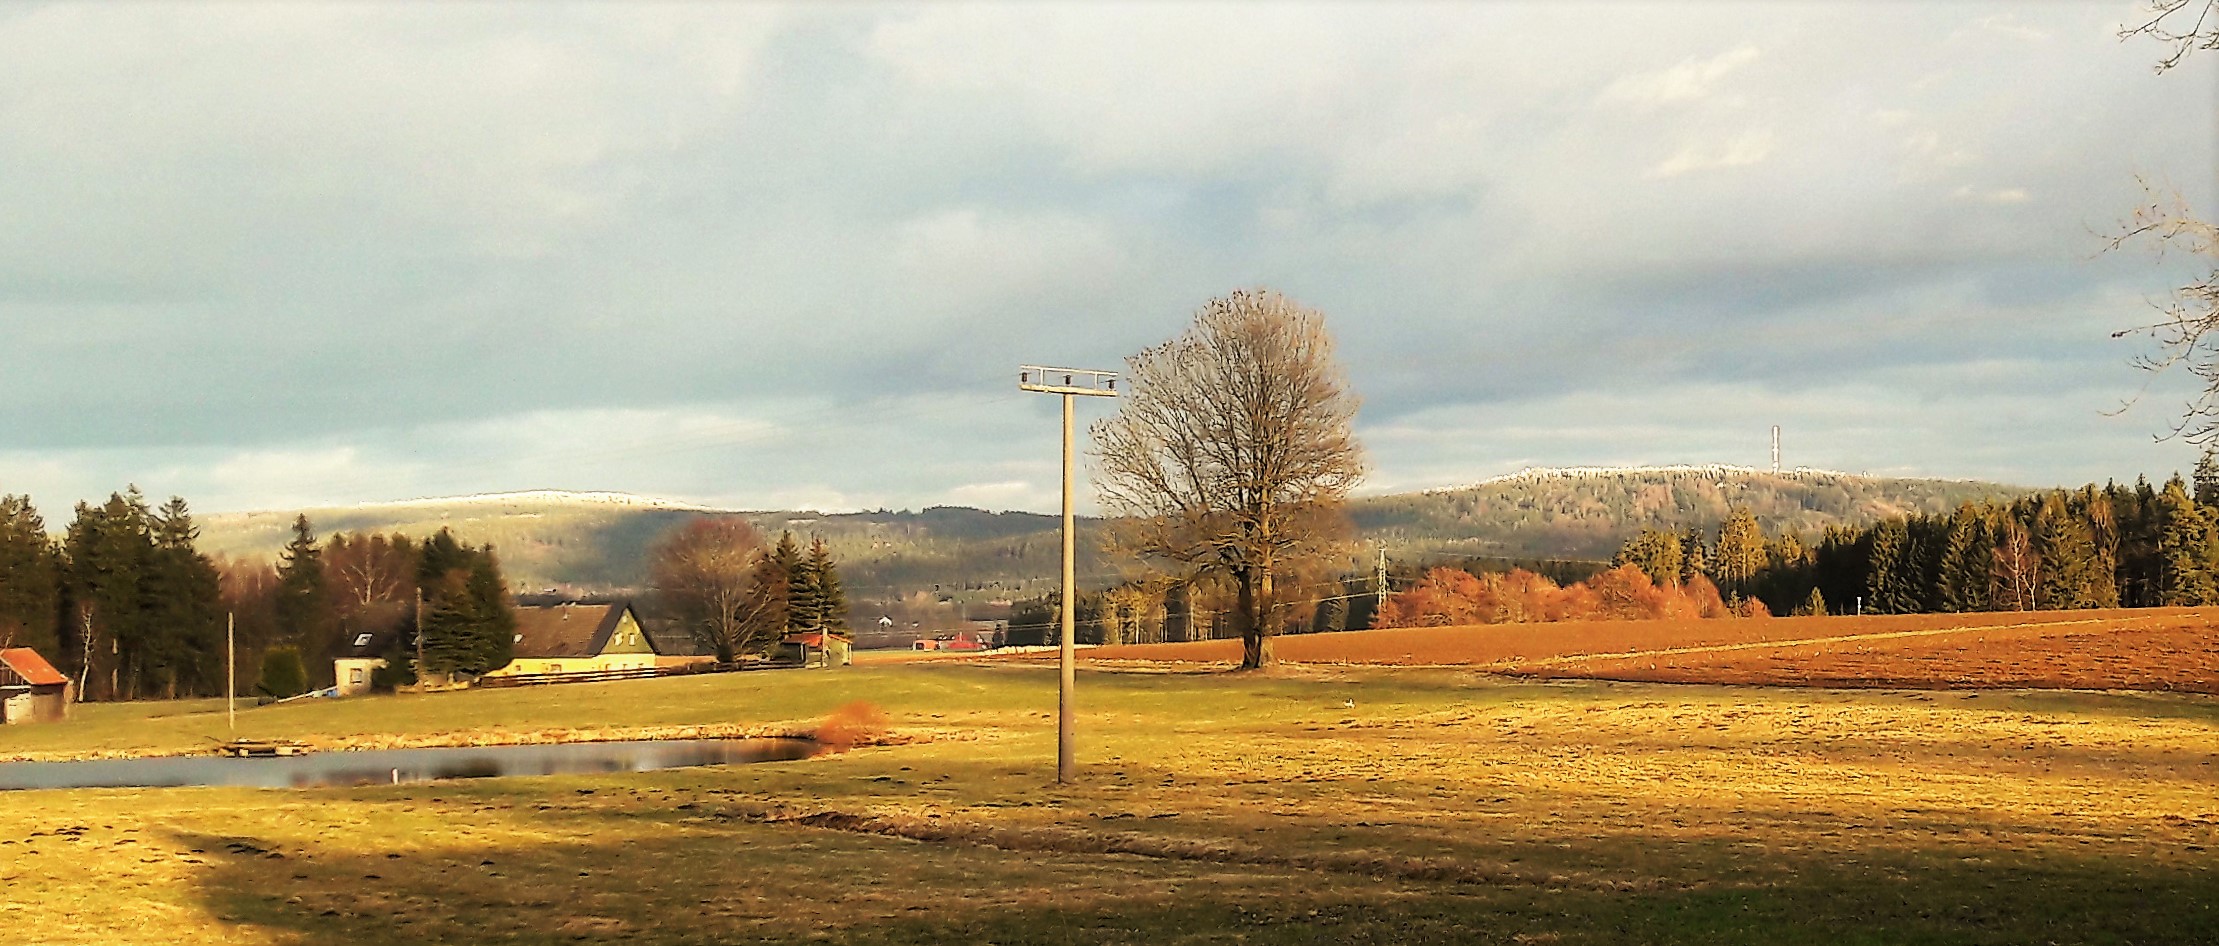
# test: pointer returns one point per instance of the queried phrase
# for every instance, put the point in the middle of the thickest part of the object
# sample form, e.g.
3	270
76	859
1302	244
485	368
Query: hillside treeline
2095	547
127	606
1569	514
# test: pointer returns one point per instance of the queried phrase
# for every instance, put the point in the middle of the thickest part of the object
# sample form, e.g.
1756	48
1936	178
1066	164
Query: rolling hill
599	541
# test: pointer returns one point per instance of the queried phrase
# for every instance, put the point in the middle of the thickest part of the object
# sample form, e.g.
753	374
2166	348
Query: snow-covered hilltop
1533	474
562	497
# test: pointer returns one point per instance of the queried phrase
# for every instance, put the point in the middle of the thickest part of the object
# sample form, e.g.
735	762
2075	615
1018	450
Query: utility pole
1379	586
418	670
1074	382
231	670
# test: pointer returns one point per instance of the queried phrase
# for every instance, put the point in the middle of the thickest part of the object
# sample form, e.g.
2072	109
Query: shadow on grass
777	883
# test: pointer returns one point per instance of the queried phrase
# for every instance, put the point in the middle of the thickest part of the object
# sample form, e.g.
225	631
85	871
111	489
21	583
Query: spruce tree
2068	554
830	603
801	599
30	579
2207	479
1966	561
1694	558
2184	551
108	547
1654	552
1741	551
303	595
183	598
1891	587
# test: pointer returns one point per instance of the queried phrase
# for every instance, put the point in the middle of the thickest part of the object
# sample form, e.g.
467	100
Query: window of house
554	668
354	677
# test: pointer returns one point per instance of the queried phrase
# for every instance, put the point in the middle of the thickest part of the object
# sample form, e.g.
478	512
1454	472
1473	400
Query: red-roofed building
31	690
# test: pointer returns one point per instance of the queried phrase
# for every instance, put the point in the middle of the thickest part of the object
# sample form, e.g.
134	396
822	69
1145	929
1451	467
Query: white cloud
1691	80
1742	150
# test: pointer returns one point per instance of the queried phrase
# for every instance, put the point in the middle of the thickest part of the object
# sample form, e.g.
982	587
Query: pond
393	766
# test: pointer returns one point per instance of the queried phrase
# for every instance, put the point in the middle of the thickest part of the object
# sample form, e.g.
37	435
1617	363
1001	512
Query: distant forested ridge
1586	514
590	544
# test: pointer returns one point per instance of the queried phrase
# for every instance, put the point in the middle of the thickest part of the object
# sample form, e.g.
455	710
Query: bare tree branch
1233	451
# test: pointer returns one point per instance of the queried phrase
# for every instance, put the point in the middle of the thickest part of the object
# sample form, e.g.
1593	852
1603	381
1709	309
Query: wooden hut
31	690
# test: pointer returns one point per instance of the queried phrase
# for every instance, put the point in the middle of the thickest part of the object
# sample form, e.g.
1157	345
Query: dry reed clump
858	723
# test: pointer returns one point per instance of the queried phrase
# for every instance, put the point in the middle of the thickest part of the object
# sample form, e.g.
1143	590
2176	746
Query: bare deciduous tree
706	569
2183	24
2185	331
1233	451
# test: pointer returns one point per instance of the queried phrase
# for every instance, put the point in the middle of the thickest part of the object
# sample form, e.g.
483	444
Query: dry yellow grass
1441	806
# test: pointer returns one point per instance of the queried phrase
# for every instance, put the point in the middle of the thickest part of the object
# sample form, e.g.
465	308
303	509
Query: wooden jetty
245	748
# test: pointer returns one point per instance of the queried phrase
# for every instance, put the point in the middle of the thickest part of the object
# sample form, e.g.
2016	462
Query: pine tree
829	606
2068	552
1694	558
468	625
1654	552
303	595
2207	479
1815	605
1892	587
1741	550
1966	562
30	579
183	603
2184	551
107	548
801	593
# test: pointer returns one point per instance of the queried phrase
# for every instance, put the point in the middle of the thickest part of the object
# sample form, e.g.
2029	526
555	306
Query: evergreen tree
282	673
2068	552
769	589
2184	550
303	595
1892	585
829	602
107	547
1654	552
2207	479
30	579
1815	605
183	604
801	601
1741	551
1694	558
468	626
1967	558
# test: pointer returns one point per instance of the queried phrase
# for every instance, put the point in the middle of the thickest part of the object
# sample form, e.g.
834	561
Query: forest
129	608
2103	546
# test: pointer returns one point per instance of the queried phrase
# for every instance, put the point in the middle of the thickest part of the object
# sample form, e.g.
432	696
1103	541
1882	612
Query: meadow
1305	805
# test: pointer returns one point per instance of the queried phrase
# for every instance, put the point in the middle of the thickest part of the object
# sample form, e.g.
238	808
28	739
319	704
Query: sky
758	256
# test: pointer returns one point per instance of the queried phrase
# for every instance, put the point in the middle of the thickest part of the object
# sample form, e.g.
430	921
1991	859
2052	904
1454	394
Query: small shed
360	658
31	690
816	649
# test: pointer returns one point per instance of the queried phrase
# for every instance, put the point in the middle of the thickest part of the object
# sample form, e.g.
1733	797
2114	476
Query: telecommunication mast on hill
1775	450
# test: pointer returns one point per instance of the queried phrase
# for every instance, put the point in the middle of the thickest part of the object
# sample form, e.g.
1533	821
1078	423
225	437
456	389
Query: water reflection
393	766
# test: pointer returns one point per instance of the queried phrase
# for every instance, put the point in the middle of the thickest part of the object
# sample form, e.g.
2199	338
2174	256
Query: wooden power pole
1068	382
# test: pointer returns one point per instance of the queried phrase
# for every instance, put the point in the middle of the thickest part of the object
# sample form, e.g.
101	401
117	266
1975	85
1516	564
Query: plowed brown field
2147	649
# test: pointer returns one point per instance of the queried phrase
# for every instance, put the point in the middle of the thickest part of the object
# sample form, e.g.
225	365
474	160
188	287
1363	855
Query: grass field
2167	649
1310	805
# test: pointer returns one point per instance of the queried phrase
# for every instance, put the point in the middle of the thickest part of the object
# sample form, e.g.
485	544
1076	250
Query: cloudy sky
768	257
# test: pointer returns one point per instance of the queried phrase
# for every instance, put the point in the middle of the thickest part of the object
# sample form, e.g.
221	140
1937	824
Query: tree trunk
1254	586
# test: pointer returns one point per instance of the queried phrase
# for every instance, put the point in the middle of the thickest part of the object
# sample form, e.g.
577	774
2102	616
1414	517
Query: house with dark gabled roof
31	690
578	638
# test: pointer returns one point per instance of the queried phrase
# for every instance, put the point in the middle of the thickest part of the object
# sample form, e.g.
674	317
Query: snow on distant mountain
547	496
